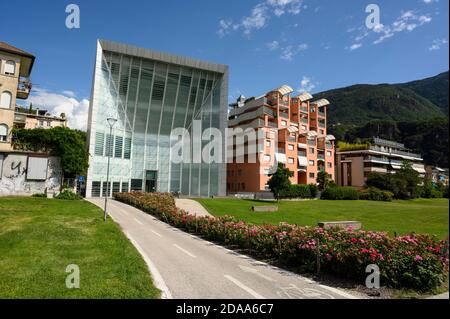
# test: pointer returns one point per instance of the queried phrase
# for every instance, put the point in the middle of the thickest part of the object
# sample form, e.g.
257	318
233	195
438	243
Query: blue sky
308	44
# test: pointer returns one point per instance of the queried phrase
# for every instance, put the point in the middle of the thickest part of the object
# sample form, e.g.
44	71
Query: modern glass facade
150	93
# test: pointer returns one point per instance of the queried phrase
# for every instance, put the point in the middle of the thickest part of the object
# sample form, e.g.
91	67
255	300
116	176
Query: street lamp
111	121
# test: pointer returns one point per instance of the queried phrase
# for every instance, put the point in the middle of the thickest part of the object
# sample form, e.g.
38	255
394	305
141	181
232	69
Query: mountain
412	101
435	89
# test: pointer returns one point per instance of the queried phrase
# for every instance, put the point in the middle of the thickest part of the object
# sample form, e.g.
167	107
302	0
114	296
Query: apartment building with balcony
36	118
291	130
355	163
15	70
22	172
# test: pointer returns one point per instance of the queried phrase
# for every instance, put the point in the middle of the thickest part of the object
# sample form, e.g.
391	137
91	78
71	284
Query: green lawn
40	237
419	215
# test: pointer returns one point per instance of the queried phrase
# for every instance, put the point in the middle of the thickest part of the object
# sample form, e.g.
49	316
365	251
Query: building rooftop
162	56
27	60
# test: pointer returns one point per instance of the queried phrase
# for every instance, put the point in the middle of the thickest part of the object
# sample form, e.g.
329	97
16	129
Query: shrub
41	195
68	194
445	192
410	261
299	191
376	194
313	189
340	193
429	191
296	191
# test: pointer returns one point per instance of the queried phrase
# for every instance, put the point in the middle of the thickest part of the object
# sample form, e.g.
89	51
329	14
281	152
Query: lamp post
111	122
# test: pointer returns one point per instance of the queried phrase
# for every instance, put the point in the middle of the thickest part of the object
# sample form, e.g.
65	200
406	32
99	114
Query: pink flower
418	258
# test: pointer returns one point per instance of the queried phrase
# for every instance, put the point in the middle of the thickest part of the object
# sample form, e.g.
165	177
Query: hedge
375	194
299	191
411	261
340	193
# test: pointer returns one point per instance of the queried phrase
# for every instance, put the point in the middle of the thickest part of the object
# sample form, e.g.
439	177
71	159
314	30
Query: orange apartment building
293	131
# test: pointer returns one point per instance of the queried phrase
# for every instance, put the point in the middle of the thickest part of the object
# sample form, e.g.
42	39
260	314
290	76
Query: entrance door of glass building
150	181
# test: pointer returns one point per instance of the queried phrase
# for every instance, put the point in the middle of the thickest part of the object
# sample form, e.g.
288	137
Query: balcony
19	118
393	151
24	88
304	121
303	109
321	113
284	115
375	159
321	124
320	157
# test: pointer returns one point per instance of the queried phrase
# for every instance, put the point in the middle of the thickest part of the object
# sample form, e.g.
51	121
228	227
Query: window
328	153
311	175
10	67
266	158
136	184
304	128
268	143
109	145
5	99
290	147
311	150
99	141
283	123
124	187
266	171
116	187
3	132
329	164
322	132
290	160
127	148
95	189
311	163
118	147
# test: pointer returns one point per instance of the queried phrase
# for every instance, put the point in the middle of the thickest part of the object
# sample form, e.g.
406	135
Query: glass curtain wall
150	98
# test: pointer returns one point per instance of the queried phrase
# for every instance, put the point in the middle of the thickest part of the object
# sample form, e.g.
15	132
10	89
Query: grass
40	237
400	216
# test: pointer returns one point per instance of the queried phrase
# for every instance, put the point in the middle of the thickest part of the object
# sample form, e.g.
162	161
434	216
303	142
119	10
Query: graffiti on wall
13	180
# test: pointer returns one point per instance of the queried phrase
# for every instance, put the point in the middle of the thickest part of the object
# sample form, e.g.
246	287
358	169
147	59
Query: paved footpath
185	266
191	206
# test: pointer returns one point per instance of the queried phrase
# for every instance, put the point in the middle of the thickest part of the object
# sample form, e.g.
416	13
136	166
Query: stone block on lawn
265	208
341	224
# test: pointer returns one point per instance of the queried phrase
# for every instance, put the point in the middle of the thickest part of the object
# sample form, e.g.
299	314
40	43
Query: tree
280	180
68	144
323	180
411	178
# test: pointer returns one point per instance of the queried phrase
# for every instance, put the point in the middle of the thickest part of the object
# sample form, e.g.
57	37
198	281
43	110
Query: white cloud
408	21
290	51
306	85
355	46
430	1
436	45
76	111
259	16
273	45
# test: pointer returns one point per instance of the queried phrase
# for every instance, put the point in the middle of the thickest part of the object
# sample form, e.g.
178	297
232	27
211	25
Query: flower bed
413	261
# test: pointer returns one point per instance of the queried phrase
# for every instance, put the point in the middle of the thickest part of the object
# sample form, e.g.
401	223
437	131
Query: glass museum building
150	93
